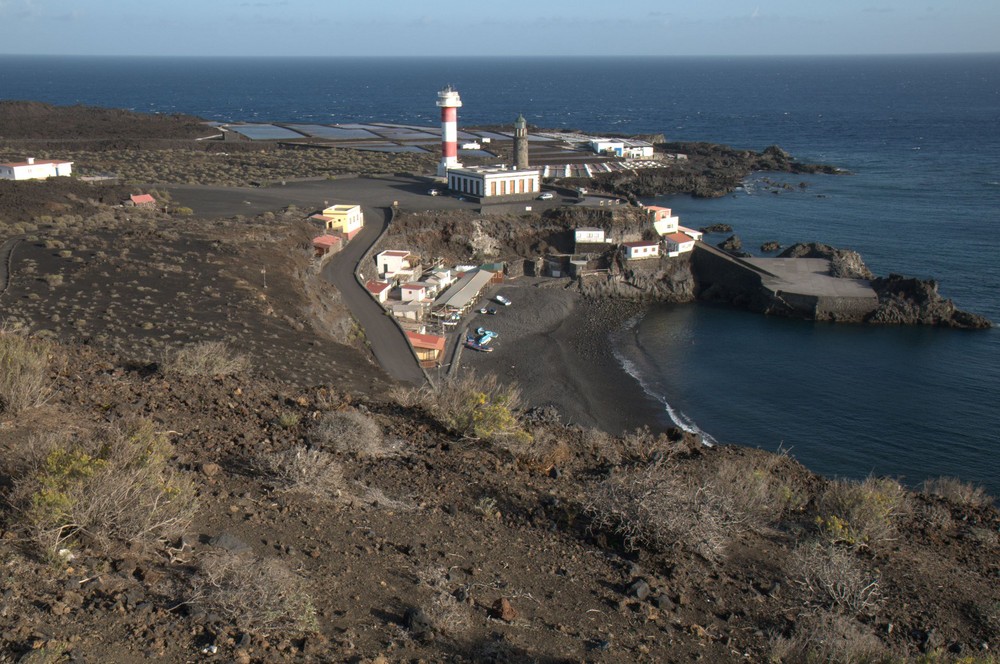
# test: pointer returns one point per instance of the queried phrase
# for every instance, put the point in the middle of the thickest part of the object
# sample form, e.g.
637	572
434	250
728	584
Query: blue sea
920	135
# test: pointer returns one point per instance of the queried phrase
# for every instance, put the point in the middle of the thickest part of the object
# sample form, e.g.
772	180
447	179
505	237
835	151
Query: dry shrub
24	372
836	579
256	595
861	513
476	407
651	507
754	492
205	358
112	488
829	638
545	449
957	492
444	612
351	432
302	470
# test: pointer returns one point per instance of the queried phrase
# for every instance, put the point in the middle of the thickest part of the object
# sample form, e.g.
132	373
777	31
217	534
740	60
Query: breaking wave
681	420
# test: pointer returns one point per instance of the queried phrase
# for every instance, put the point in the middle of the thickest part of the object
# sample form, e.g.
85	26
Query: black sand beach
554	344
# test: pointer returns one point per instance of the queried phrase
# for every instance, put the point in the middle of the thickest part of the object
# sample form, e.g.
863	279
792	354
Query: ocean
920	135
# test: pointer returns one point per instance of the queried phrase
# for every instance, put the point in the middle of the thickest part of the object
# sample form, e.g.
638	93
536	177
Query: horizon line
581	56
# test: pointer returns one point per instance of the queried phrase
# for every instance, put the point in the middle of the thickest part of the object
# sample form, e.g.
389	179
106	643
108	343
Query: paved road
388	343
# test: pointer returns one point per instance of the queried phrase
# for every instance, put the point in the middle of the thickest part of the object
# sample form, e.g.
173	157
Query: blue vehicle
483	332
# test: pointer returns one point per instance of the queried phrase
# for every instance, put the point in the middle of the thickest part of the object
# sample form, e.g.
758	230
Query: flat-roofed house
664	221
678	243
392	261
696	235
588	235
643	249
348	220
35	169
488	183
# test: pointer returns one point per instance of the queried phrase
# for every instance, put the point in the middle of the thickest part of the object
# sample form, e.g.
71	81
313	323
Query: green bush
475	407
113	488
861	513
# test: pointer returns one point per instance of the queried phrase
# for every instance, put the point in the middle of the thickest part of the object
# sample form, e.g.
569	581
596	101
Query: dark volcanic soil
429	533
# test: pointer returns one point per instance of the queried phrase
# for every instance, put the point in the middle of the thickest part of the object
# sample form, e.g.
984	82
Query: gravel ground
554	344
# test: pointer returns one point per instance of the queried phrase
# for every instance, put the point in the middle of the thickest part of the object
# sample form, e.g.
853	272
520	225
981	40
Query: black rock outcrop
908	301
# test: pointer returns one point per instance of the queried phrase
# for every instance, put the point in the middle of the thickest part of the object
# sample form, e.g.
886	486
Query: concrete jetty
796	287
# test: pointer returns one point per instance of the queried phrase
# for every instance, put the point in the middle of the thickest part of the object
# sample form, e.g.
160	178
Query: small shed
413	291
429	348
141	200
378	289
326	244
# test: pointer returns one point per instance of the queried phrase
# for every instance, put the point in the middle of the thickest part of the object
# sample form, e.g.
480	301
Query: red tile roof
679	238
376	287
657	208
428	341
414	286
139	199
326	241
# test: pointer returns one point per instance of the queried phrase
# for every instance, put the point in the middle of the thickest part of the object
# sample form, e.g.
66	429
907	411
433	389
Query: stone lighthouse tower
520	143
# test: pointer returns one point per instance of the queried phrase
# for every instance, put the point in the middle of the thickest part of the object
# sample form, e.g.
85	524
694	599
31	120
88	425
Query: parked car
500	299
546	195
434	192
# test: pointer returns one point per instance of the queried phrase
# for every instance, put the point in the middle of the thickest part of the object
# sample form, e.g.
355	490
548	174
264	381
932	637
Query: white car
548	195
502	300
434	192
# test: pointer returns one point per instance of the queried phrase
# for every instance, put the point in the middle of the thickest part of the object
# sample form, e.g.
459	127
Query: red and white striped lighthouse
449	101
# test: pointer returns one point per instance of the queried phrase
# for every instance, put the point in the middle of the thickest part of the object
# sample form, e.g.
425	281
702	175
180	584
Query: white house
696	235
664	221
678	243
413	292
588	235
35	169
638	150
643	249
391	262
607	146
494	183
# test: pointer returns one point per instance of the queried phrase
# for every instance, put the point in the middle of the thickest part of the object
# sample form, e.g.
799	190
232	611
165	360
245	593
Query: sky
509	27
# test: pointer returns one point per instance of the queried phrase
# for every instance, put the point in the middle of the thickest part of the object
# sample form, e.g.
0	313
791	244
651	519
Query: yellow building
344	219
